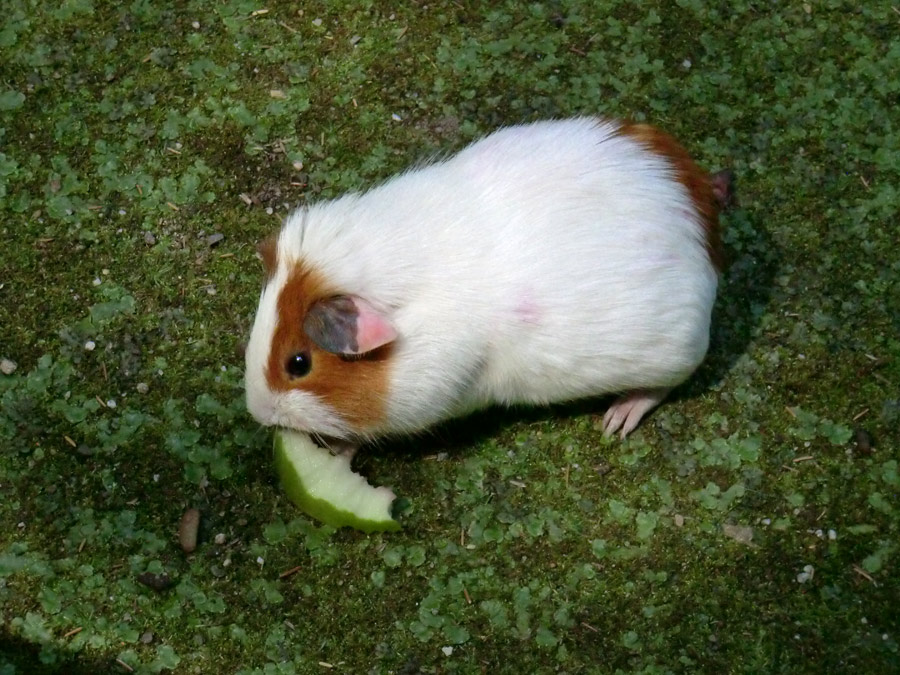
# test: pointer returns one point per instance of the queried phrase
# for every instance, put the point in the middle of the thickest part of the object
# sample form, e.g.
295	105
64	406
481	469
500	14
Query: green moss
130	133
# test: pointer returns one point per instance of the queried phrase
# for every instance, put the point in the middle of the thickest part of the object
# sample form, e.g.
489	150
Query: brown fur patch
268	251
356	388
698	183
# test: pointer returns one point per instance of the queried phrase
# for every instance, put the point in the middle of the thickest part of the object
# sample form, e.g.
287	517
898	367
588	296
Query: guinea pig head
317	358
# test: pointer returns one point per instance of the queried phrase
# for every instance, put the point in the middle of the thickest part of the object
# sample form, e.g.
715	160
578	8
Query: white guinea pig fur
545	262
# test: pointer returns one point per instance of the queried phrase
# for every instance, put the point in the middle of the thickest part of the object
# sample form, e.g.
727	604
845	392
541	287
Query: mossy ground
131	132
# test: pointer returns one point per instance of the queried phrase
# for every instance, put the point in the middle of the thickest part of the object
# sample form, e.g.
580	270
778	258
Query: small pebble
806	575
96	281
679	520
220	538
147	638
90	345
158	582
832	535
149	238
240	349
214	239
142	387
7	366
187	530
317	22
110	403
863	441
396	117
447	650
195	25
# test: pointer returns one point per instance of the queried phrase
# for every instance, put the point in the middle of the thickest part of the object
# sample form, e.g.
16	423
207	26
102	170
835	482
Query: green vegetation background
750	525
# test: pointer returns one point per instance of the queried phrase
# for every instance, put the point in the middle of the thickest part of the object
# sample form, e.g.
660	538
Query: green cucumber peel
324	486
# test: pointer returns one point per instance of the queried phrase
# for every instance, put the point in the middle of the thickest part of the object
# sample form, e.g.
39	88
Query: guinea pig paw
627	411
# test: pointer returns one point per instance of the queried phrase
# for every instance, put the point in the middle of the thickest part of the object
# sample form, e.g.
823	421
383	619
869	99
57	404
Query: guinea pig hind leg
626	412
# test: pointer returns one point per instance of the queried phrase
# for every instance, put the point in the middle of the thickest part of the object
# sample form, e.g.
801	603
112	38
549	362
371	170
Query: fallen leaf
740	533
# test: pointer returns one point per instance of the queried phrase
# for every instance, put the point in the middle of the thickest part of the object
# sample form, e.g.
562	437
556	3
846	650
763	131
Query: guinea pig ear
347	324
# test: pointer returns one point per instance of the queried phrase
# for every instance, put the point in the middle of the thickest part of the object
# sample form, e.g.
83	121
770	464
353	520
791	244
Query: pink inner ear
372	329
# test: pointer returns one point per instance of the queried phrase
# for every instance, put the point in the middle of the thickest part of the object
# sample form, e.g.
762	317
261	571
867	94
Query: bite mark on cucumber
325	487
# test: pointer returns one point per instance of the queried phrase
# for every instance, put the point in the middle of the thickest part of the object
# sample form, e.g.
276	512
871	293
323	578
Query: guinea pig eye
298	364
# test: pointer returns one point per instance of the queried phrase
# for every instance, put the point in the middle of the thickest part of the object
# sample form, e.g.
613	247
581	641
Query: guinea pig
545	262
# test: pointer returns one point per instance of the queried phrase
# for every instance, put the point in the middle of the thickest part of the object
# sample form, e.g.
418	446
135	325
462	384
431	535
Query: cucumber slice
325	487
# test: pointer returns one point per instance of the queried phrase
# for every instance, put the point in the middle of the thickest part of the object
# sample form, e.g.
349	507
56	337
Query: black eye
298	364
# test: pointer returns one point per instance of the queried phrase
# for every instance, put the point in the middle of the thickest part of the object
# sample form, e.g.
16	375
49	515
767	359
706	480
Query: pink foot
626	411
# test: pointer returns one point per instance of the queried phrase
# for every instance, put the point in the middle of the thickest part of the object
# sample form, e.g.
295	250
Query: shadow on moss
20	657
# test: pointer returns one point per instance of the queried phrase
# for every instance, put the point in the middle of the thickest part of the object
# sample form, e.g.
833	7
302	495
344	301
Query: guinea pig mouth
336	446
300	411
